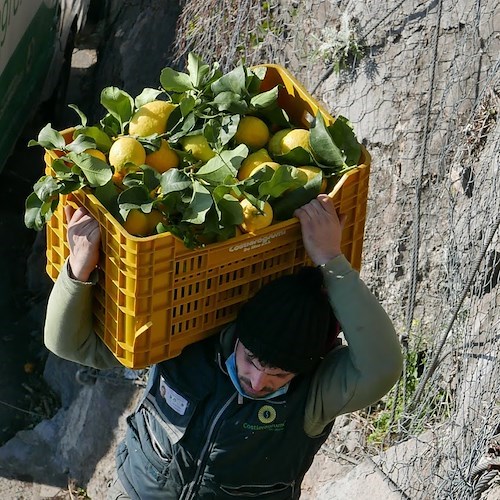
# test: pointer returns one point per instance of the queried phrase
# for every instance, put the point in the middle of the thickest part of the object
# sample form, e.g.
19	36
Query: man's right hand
84	237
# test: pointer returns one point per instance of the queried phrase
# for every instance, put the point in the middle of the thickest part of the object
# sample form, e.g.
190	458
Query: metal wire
425	101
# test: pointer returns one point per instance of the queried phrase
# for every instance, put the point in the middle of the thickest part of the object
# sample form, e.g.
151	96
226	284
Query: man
244	412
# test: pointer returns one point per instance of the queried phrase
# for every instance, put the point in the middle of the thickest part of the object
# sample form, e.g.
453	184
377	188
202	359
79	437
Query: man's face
256	380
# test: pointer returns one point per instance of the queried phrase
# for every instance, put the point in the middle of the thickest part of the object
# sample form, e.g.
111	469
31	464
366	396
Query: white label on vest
174	400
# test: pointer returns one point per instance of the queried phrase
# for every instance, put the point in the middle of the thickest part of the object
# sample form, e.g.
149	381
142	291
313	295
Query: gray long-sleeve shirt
348	379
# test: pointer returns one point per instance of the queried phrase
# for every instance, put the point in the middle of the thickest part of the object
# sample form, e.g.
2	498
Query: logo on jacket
267	414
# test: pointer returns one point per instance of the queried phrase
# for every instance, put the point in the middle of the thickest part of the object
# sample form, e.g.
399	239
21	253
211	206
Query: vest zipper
203	455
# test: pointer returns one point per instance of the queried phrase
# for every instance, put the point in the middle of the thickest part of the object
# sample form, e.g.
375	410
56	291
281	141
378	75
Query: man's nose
259	380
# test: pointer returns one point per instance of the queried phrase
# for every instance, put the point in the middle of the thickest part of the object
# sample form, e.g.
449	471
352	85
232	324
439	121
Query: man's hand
84	238
321	229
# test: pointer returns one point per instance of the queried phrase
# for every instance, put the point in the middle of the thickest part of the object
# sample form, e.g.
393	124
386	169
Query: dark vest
193	437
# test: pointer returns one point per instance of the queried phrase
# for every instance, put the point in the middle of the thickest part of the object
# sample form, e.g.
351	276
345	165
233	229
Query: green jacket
348	379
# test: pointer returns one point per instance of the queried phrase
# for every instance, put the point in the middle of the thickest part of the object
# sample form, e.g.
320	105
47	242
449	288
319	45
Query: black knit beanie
287	323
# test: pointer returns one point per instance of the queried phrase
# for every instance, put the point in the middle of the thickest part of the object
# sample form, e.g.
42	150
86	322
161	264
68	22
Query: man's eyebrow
252	357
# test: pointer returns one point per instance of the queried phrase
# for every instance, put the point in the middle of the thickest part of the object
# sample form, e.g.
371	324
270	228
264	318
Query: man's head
283	330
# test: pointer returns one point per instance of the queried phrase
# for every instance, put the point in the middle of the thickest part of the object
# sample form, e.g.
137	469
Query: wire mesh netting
420	82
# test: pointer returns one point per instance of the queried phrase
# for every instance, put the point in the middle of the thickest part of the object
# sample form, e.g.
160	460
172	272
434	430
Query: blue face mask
233	375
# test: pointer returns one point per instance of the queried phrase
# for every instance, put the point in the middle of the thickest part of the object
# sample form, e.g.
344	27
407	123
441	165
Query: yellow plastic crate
155	296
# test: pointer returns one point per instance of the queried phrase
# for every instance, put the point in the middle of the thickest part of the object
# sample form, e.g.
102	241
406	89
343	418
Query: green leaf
147	95
229	208
49	138
285	178
234	82
61	170
102	140
182	127
284	207
342	133
173	81
96	171
119	104
229	125
197	70
230	101
146	176
111	125
108	196
187	105
265	99
218	168
81	143
254	79
32	213
323	145
80	113
174	180
136	197
297	156
46	188
199	205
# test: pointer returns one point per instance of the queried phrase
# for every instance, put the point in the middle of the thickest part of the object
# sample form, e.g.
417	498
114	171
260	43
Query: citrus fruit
198	146
154	218
253	218
125	151
96	154
274	145
271	164
312	172
137	223
253	132
252	161
151	118
163	159
298	137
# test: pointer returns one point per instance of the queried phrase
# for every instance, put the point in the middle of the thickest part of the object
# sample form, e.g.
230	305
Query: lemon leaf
199	205
147	95
96	171
197	70
265	99
46	188
323	146
342	133
81	143
234	81
174	81
231	101
284	207
174	180
102	140
119	104
32	213
283	179
80	113
49	138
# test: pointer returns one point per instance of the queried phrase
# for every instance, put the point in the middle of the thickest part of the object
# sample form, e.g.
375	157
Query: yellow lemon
163	159
96	154
298	137
253	132
274	146
126	151
312	172
198	146
271	164
137	223
151	118
252	161
253	218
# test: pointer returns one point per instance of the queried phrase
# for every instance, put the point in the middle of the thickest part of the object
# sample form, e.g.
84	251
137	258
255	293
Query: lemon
298	137
271	164
274	145
253	132
96	154
253	218
312	172
151	118
163	159
198	146
126	151
252	161
137	223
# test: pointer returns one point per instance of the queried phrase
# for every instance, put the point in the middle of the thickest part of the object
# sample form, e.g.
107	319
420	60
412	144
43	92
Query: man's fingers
68	213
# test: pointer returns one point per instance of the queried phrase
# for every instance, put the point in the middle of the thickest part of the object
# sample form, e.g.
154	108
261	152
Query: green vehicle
36	43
